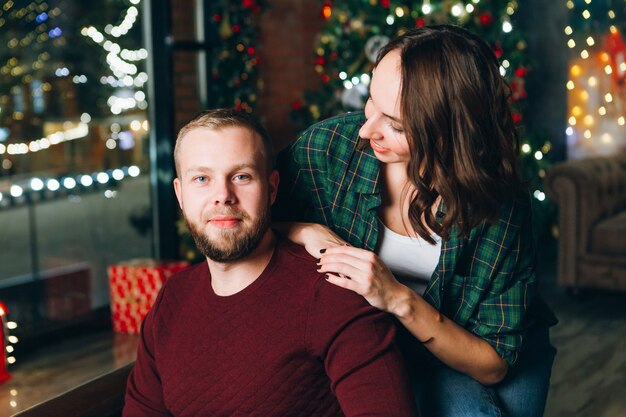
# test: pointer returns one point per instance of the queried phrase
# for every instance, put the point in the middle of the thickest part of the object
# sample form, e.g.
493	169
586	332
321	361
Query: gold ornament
225	30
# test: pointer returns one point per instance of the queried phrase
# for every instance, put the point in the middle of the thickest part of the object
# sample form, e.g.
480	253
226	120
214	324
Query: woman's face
383	127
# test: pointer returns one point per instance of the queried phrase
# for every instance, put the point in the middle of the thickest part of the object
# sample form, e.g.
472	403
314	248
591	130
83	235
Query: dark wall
544	22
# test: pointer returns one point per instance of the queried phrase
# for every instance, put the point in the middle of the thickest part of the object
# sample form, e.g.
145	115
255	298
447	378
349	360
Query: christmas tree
355	30
234	75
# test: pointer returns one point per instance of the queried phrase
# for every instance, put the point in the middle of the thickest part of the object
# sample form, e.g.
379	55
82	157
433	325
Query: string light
595	103
21	148
7	341
59	187
121	62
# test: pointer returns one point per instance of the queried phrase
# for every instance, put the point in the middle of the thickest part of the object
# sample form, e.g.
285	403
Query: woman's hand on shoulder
313	236
363	272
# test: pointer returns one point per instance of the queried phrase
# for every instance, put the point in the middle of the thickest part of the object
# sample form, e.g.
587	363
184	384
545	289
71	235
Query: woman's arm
451	343
313	236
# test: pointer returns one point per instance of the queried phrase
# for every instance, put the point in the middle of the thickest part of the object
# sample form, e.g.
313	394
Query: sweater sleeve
357	345
144	393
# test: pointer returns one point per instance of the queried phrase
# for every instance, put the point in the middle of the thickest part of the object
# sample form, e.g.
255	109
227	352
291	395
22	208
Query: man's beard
230	245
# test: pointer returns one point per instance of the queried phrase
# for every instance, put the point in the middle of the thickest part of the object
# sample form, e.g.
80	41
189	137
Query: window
74	165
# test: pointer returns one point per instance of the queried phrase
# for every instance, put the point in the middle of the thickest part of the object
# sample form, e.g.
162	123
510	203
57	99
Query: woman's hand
314	237
363	272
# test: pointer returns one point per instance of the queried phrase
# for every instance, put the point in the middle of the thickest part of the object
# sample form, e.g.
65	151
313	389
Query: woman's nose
368	130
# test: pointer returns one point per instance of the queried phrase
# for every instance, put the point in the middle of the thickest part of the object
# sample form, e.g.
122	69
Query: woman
418	206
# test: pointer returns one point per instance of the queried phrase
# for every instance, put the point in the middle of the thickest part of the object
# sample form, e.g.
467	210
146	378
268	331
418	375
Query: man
256	330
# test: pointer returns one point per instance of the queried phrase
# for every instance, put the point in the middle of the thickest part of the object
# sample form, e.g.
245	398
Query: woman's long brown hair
456	117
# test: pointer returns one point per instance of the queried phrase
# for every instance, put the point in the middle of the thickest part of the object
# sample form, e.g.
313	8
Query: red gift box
134	286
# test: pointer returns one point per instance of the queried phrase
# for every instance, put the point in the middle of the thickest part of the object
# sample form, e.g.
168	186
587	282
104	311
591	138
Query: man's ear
273	183
179	192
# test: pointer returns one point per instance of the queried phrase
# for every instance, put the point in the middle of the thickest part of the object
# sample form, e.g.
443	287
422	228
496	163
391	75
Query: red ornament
325	78
486	19
517	118
497	50
296	105
320	60
521	72
251	50
420	22
217	18
248	3
385	3
326	10
236	28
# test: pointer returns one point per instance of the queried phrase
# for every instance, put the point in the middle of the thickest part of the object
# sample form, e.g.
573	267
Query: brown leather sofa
591	197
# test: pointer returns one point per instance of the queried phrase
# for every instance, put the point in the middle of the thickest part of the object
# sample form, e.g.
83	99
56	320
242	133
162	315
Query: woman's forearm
291	230
452	344
313	236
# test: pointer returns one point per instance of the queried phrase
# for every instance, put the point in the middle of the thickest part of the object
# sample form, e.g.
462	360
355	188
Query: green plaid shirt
484	282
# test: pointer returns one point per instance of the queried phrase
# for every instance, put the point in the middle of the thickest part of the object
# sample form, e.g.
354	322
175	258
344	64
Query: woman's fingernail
322	250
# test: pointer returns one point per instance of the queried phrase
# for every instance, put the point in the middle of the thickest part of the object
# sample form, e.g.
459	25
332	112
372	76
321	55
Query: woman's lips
377	147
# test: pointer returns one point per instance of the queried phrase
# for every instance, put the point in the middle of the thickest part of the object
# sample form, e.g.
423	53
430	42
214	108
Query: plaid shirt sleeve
302	165
491	280
327	178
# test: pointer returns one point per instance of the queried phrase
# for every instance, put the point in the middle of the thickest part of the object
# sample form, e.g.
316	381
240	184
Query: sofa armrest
585	191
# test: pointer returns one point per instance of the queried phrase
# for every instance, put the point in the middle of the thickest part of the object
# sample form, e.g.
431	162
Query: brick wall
186	100
288	33
286	47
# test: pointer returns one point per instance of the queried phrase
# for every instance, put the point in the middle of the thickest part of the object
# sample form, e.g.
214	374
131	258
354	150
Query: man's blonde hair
216	119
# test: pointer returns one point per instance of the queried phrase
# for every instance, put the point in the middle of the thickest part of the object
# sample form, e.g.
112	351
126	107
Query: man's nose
223	193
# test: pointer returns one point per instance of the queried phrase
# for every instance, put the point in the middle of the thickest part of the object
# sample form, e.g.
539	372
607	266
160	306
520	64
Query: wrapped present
134	286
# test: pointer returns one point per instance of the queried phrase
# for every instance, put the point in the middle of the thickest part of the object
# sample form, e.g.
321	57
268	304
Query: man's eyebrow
238	167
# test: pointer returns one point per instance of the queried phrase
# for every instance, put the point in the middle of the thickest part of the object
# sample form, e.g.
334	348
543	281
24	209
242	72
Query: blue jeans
441	391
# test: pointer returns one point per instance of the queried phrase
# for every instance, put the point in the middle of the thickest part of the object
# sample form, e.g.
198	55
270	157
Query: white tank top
411	259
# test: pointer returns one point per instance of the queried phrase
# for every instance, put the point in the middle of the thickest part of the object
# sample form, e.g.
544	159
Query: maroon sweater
290	344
